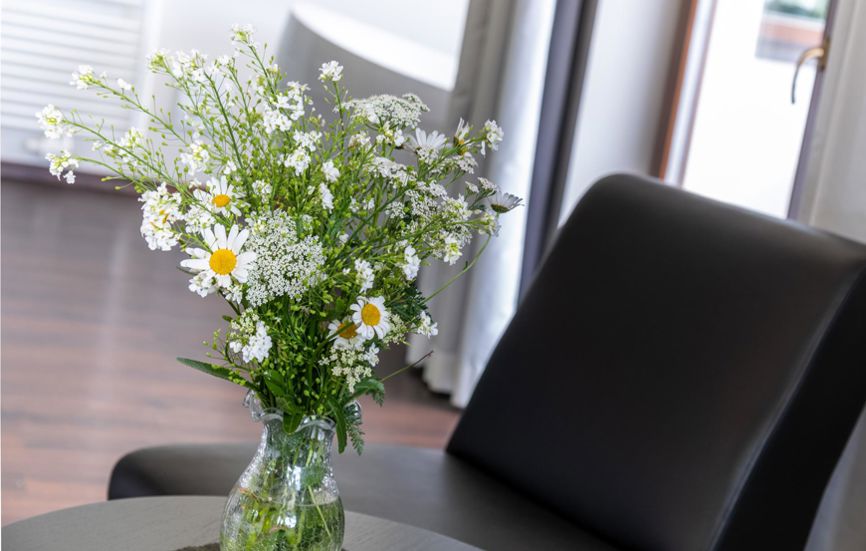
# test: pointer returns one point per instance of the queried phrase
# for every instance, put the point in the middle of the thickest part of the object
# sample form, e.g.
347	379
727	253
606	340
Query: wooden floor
91	323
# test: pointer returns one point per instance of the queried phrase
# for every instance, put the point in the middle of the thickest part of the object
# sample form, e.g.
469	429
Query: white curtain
501	75
834	199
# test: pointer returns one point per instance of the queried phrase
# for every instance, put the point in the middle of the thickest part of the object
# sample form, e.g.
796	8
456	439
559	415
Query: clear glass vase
287	498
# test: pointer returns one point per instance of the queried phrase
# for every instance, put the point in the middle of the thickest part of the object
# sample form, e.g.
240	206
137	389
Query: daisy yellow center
221	200
348	331
370	315
223	261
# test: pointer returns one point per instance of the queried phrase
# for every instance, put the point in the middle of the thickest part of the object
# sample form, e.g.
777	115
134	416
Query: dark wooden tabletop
171	523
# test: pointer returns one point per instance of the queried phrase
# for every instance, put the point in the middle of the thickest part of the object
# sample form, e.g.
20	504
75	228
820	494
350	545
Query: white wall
205	25
834	194
624	94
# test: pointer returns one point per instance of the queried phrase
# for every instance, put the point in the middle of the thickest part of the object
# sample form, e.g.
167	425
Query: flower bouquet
312	228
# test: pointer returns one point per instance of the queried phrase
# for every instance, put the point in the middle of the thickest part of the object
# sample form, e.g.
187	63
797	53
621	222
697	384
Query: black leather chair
682	375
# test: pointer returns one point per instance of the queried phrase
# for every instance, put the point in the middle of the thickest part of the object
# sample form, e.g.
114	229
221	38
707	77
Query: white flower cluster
351	363
280	113
411	263
330	172
364	274
196	157
249	337
331	72
84	77
59	163
50	119
390	111
160	210
493	135
426	326
285	265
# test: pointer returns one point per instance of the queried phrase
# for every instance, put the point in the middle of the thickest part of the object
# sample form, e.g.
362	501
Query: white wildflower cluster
390	111
364	275
312	226
50	119
493	135
412	263
330	172
298	160
282	110
249	337
196	157
60	163
326	196
262	189
351	364
426	326
84	78
286	265
331	72
160	209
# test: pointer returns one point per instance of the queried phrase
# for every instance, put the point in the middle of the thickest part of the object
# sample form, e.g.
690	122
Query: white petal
209	238
239	240
246	258
220	233
198	264
230	240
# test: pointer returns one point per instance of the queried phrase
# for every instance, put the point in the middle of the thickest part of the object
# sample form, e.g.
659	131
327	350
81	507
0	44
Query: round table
171	523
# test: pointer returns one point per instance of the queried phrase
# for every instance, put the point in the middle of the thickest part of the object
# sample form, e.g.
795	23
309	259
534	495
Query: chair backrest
681	375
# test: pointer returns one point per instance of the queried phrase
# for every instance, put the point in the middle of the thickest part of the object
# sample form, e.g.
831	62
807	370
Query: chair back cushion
681	375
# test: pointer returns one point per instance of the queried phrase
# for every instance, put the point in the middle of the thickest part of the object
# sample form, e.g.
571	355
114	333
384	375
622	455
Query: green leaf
371	386
215	370
339	418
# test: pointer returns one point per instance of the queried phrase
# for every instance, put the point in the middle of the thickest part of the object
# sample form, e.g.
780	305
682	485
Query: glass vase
287	498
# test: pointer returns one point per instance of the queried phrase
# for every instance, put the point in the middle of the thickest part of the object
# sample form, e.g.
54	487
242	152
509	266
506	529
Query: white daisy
462	133
223	260
220	197
501	202
371	317
345	334
425	145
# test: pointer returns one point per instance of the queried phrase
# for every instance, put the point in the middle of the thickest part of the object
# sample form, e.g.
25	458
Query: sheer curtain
501	77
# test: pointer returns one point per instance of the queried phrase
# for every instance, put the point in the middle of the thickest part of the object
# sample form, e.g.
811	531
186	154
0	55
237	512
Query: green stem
463	271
